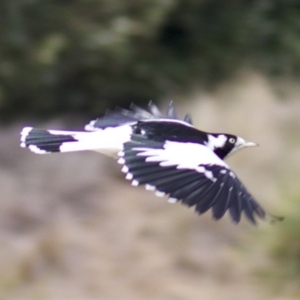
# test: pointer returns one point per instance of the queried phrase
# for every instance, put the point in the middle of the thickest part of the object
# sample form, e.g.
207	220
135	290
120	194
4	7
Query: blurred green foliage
281	244
84	55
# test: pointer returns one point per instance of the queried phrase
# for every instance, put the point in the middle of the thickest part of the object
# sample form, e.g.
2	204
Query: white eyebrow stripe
216	142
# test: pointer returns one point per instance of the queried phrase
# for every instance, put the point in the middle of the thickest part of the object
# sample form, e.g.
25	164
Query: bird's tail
43	141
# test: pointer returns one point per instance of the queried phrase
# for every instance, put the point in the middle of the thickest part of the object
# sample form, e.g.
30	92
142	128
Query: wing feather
200	180
120	116
221	205
171	111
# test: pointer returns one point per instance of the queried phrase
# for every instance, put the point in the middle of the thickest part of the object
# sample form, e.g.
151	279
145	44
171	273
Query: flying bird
167	155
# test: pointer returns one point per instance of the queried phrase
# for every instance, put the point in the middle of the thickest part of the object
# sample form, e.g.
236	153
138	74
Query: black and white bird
165	154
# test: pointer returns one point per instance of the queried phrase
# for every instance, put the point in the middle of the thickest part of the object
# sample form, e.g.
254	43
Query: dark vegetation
83	56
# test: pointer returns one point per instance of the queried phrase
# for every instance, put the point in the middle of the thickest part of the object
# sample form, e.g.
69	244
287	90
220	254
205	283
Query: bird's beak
248	144
241	143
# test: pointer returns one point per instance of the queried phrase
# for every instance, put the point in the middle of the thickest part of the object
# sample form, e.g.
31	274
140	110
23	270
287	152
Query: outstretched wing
122	116
190	173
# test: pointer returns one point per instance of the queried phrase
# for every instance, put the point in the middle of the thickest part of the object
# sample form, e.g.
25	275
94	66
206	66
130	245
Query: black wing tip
252	211
255	216
235	220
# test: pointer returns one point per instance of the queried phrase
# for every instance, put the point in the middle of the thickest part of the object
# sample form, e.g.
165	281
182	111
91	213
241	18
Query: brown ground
72	228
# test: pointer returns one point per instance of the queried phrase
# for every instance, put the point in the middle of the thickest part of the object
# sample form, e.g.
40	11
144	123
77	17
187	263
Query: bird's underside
165	154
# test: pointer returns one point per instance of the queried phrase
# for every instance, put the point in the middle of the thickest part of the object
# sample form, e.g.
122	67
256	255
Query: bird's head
224	144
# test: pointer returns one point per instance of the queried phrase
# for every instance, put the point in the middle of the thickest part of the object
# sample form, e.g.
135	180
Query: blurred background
70	226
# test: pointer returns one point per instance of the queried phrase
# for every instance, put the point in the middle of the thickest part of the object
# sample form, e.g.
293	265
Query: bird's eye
232	140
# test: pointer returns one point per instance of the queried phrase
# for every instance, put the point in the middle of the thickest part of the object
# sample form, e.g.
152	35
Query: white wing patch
184	155
108	141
